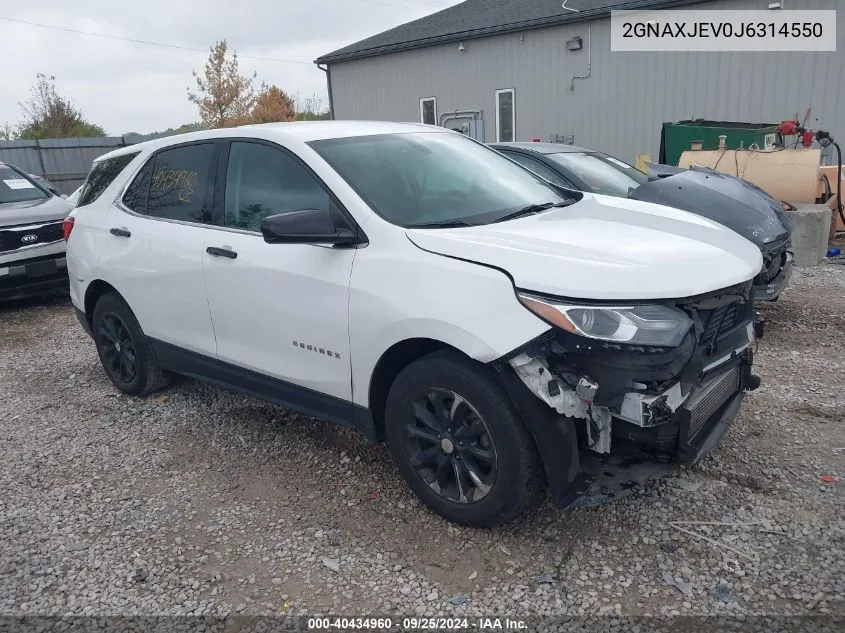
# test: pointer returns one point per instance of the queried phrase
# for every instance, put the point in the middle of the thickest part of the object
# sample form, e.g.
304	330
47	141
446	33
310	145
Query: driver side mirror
309	226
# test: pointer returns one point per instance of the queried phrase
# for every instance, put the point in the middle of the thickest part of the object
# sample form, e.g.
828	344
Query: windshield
435	178
598	173
42	181
15	187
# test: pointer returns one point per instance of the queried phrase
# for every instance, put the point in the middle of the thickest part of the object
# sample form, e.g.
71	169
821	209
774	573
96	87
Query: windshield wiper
443	224
532	209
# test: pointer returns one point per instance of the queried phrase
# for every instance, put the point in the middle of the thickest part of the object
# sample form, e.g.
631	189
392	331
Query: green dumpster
676	138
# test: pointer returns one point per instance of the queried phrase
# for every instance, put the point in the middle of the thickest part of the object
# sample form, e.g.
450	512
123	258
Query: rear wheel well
95	290
393	361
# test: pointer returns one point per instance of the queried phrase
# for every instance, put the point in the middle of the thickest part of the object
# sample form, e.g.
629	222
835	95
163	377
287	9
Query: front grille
718	321
15	237
712	395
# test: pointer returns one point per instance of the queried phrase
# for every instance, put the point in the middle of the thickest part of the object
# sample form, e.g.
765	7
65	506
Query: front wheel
459	443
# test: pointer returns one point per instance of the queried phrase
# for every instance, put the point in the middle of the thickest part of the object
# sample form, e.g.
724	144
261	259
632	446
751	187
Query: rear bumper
770	291
36	276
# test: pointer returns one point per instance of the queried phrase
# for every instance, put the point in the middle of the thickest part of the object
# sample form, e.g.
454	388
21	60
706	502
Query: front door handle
221	252
120	232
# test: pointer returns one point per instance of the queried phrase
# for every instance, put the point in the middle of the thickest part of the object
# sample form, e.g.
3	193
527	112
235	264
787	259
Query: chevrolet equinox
413	284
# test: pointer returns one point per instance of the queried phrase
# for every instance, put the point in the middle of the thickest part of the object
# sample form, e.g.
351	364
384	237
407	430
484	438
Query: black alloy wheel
118	350
450	447
125	352
459	442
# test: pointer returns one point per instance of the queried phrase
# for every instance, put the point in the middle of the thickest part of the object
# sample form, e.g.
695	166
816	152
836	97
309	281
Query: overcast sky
131	87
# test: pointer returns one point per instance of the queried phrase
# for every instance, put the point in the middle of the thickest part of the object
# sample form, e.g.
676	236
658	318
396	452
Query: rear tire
124	351
459	442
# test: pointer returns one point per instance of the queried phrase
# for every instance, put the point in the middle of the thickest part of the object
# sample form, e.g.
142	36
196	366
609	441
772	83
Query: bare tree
224	96
8	132
311	108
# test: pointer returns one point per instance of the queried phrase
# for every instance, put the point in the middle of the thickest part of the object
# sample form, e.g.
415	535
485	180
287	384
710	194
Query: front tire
459	442
124	351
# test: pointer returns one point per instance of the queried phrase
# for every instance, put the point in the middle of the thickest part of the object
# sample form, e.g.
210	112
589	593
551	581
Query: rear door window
102	174
177	184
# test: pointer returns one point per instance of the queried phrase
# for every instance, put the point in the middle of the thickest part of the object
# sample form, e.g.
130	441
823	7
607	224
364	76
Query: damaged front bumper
695	426
769	288
669	405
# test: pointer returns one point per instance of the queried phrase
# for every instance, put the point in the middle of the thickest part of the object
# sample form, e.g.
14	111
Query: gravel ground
201	501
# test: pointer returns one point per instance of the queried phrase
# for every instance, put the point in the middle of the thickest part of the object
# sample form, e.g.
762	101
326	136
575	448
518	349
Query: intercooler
710	398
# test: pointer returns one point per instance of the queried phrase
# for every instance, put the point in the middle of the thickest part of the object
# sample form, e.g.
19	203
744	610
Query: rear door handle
120	232
216	251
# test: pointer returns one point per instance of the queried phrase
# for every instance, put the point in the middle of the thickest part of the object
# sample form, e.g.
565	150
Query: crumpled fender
555	437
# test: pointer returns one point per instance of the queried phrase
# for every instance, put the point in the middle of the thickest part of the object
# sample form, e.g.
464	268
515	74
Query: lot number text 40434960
417	624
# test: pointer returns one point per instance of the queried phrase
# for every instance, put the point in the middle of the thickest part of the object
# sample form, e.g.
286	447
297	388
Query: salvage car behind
32	251
730	201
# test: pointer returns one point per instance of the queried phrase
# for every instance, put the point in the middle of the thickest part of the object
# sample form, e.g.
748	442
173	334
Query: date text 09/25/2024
417	624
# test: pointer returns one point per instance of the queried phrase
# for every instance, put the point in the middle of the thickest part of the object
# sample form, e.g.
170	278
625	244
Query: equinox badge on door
319	350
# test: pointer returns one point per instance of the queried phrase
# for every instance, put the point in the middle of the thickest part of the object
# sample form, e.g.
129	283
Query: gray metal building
509	68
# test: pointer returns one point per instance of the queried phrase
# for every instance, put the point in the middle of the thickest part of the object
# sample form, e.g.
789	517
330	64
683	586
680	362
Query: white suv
416	285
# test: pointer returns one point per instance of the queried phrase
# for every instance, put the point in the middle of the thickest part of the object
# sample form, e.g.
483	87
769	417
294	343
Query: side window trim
218	212
207	195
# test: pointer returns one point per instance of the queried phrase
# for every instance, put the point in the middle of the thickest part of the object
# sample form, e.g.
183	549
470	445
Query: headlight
634	324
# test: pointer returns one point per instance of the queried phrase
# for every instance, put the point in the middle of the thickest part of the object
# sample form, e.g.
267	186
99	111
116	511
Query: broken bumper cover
772	289
710	411
697	424
556	440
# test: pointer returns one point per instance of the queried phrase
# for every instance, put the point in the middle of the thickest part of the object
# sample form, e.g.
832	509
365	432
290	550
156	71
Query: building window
428	110
505	116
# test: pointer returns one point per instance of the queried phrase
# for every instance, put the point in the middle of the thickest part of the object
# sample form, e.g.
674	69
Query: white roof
303	131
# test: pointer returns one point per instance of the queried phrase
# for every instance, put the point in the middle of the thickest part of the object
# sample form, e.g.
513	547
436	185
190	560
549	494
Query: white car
416	285
74	197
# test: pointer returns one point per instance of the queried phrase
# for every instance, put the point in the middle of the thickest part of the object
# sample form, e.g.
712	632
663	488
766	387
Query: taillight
67	227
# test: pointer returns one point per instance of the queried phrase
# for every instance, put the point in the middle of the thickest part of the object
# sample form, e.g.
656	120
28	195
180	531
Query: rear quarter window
102	174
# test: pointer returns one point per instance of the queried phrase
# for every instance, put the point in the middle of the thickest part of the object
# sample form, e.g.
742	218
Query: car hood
605	248
737	204
34	211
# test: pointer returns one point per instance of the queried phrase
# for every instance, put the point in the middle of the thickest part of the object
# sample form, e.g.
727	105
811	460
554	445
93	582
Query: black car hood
732	202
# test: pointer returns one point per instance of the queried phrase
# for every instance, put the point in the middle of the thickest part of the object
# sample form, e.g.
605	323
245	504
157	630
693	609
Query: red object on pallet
794	128
807	138
788	128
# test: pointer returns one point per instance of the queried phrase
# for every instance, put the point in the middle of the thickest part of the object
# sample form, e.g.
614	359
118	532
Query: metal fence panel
63	161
